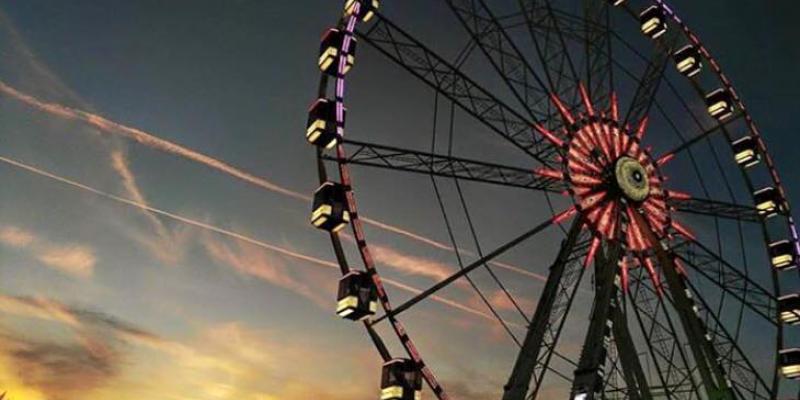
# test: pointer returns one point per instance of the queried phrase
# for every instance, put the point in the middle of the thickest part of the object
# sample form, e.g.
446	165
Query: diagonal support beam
711	372
743	375
548	320
636	380
588	382
390	314
728	278
670	360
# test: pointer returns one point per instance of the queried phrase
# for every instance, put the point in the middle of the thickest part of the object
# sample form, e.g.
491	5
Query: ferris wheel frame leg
562	283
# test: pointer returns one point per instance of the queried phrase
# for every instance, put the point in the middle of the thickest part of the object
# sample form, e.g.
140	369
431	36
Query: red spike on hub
549	173
614	107
678	195
587	102
651	270
642	128
682	230
623	267
568	118
592	251
550	136
564	215
679	266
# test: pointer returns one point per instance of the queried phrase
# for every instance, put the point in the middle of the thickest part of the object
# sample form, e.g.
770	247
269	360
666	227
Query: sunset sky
154	235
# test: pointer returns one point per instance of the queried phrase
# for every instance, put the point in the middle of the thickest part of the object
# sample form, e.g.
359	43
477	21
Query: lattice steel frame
679	374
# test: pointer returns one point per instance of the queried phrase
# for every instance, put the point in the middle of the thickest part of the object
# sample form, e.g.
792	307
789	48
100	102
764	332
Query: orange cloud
152	141
249	260
38	307
110	358
411	265
227	232
15	237
73	259
167	246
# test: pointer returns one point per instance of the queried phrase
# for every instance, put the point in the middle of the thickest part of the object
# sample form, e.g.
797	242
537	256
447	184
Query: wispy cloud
16	237
235	235
146	139
252	261
72	259
411	265
78	260
150	140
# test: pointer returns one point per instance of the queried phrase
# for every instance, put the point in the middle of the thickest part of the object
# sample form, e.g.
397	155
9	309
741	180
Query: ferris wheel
619	123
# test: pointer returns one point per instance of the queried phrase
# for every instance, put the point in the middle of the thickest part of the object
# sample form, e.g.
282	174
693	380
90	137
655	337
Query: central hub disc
631	178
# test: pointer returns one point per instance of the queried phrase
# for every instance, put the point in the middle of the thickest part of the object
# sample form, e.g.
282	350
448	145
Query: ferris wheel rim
348	24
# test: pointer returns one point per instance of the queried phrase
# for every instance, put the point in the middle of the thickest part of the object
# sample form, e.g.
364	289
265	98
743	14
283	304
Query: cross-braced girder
396	158
548	320
452	83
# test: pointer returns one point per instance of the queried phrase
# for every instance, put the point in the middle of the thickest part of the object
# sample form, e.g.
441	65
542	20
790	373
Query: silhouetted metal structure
669	307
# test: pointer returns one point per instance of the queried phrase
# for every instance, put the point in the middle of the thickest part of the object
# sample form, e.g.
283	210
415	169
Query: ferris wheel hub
631	178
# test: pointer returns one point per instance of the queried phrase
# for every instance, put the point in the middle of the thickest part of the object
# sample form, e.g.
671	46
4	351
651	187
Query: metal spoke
464	271
599	80
505	57
452	83
728	278
651	78
396	158
739	370
718	127
663	343
715	208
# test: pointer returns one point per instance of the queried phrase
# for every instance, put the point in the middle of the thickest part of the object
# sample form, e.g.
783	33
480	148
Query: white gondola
790	363
746	152
322	127
366	8
789	308
401	379
688	61
769	202
782	255
329	211
329	49
654	23
719	104
357	298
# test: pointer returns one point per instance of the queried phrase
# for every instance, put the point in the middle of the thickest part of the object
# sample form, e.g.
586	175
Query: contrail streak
149	140
146	139
229	233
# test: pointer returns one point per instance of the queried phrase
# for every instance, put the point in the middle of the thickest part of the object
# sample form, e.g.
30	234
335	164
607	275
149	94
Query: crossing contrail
137	135
231	234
